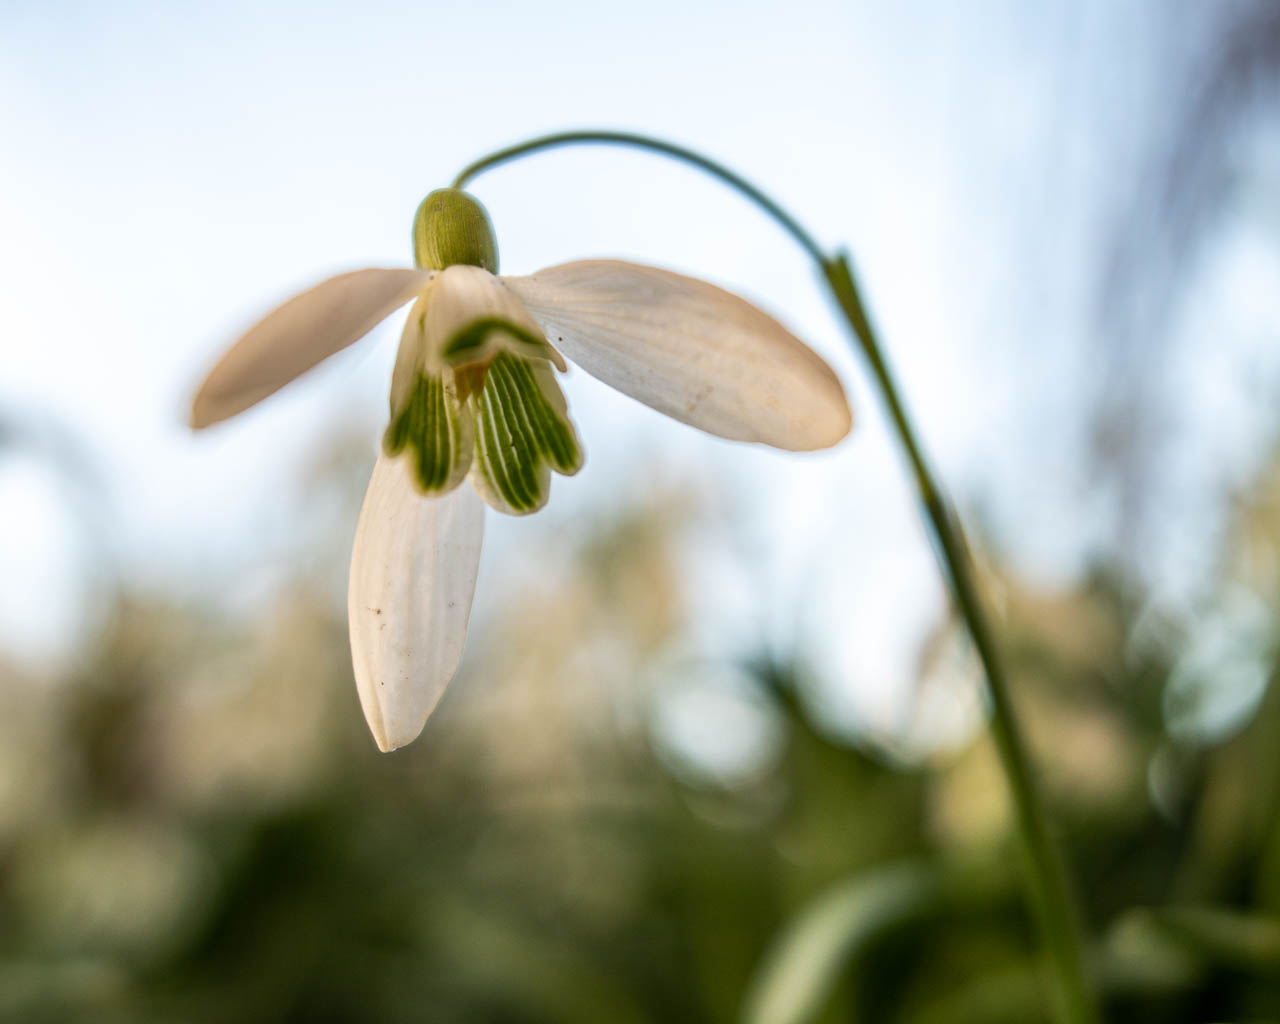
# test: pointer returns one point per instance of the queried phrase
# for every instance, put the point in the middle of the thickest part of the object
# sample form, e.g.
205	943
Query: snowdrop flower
474	396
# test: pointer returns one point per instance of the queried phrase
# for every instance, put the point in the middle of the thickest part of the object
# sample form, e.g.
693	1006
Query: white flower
474	395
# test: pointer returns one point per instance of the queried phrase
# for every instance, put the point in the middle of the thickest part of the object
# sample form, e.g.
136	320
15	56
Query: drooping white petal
413	575
306	329
689	349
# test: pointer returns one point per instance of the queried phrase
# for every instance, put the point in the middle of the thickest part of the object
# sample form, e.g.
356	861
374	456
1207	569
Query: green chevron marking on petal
523	431
482	339
436	430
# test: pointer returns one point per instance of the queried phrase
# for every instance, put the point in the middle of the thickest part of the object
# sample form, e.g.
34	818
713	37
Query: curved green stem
1051	894
1050	887
688	156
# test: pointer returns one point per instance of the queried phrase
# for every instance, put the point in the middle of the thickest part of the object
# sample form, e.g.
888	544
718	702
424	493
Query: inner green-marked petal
520	396
435	431
499	457
516	456
546	403
509	455
523	433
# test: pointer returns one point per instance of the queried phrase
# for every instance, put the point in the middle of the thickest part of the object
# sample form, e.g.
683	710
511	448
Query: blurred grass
195	826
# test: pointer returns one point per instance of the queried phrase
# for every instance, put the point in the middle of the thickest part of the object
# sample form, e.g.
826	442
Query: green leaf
1215	935
806	961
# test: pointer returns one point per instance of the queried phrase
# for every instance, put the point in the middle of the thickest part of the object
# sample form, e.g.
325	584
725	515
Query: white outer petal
306	329
413	575
689	349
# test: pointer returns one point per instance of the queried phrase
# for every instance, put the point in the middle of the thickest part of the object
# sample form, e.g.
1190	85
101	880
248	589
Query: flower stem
1047	877
1049	885
688	156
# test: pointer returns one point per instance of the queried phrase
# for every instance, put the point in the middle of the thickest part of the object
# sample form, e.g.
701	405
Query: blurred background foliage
608	821
598	827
